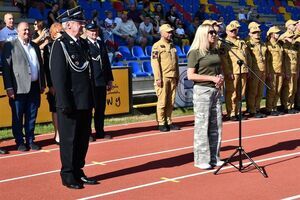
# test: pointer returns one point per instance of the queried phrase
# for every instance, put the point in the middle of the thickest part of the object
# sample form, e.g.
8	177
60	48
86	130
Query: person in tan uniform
232	70
290	26
274	76
297	41
164	61
255	84
291	70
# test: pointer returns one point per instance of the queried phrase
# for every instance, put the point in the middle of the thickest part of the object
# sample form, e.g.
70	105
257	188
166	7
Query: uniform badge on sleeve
154	54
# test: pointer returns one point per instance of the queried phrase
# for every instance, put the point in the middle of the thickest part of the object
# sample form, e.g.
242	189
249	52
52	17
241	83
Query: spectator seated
137	70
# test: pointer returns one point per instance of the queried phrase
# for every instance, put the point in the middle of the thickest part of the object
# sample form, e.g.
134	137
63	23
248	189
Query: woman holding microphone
204	68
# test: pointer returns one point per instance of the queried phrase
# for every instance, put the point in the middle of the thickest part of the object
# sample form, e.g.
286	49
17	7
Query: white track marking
181	177
144	155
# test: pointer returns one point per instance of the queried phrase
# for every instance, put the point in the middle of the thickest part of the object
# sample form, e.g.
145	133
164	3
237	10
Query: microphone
226	42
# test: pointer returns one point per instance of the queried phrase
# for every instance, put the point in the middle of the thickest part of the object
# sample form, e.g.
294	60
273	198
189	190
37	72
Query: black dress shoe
22	147
104	136
74	185
163	128
259	115
174	127
92	138
33	146
88	181
3	151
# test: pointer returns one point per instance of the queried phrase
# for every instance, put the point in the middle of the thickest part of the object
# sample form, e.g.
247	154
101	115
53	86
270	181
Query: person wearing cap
70	72
291	69
290	25
232	70
255	85
164	61
274	76
297	42
204	68
102	76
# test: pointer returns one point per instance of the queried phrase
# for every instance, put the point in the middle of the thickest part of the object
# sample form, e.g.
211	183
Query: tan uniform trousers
255	91
273	94
165	100
289	89
232	94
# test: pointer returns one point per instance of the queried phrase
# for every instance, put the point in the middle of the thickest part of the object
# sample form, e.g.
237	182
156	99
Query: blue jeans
24	111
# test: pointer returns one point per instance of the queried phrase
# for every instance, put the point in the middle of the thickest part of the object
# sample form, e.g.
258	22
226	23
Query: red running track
142	163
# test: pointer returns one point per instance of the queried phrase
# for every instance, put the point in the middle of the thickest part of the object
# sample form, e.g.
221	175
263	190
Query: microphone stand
240	150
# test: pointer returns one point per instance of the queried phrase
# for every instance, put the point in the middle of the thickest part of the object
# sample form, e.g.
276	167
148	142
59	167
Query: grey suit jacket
16	68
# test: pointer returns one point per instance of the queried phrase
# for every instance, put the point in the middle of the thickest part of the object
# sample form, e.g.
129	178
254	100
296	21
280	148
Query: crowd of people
72	60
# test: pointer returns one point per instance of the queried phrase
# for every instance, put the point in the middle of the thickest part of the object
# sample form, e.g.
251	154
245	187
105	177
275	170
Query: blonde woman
55	32
204	68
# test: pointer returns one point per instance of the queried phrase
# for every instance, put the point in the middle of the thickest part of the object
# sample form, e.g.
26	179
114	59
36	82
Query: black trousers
100	104
74	139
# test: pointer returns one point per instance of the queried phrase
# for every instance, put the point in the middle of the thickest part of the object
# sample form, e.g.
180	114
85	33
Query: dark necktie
96	45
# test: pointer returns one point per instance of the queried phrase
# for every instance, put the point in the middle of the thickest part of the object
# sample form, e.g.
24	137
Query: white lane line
144	155
134	137
292	197
181	177
188	116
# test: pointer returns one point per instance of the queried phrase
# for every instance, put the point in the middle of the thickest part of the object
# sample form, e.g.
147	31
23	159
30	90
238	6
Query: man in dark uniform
102	76
71	78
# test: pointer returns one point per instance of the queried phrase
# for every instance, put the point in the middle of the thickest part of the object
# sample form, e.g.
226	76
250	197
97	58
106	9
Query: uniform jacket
241	50
274	57
164	60
16	67
101	68
73	88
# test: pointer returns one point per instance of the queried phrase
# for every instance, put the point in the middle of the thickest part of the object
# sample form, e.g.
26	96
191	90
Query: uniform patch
154	54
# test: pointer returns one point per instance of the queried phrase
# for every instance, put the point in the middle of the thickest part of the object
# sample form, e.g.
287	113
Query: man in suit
23	77
102	77
71	78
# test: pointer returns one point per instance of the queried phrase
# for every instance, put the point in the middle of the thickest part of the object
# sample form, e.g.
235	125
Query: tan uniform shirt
258	52
274	57
164	60
241	50
290	58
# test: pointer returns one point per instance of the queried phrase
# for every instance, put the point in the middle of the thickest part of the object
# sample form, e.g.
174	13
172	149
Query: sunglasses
234	30
211	32
35	24
255	32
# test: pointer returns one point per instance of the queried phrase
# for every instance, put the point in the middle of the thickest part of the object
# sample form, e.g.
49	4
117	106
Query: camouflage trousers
208	125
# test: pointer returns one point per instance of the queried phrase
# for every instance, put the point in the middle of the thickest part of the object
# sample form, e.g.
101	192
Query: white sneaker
204	166
219	163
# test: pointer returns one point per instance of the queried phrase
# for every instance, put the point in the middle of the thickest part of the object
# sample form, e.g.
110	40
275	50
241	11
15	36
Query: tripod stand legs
241	152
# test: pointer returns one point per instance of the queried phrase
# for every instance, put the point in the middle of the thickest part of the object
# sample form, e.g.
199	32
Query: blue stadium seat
179	52
148	50
126	53
147	67
35	14
136	70
186	48
138	52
